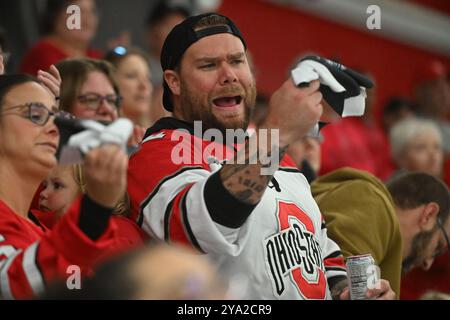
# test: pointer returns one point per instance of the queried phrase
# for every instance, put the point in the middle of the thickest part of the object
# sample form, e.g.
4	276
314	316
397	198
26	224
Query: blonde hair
78	175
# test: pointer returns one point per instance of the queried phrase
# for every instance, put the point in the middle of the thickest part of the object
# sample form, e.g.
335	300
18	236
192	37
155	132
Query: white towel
95	135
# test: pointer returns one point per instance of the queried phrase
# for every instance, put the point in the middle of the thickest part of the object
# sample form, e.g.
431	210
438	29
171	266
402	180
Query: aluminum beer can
357	273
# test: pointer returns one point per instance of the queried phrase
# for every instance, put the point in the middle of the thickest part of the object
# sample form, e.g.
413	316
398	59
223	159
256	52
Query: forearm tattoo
243	178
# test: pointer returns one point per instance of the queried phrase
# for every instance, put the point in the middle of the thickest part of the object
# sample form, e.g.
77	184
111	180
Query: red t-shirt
350	143
45	53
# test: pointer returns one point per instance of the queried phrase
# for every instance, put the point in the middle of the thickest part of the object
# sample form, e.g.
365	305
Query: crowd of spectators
361	186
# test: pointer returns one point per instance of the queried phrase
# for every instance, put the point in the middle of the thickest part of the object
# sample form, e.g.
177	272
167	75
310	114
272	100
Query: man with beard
255	218
403	224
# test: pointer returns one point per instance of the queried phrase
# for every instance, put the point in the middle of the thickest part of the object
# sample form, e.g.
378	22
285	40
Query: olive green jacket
361	218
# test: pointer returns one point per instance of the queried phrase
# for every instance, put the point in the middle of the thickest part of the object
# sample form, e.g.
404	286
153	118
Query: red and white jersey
281	249
31	256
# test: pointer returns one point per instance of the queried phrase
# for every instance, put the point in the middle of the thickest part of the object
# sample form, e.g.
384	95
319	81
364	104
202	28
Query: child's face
60	190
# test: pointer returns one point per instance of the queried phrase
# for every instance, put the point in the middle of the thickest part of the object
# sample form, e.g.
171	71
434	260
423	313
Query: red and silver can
359	269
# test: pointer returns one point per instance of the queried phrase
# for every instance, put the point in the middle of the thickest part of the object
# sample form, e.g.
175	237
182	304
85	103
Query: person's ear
173	81
428	216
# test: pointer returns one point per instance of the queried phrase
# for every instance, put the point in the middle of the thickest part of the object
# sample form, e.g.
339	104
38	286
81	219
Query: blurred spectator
155	272
133	76
29	142
416	145
4	51
356	142
161	19
50	78
435	295
433	97
58	42
89	89
394	111
402	225
431	91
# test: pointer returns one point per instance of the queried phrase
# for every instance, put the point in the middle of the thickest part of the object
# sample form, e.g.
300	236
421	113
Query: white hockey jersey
279	247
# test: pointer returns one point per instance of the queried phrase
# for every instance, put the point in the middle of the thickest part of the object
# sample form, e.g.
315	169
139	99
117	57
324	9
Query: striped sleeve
27	266
332	257
20	273
189	207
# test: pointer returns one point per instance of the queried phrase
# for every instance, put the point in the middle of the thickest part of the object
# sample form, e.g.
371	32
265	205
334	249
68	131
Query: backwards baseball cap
182	37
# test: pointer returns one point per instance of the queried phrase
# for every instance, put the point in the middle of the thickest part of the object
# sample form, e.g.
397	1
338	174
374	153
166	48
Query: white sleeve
181	209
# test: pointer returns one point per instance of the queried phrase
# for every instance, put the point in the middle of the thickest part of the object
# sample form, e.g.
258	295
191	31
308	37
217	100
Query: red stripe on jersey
335	262
288	162
18	285
177	228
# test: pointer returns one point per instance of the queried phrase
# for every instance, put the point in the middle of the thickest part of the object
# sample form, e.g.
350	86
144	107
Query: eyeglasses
93	100
38	113
441	226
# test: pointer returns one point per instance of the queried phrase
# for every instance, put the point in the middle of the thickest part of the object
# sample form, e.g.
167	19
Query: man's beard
194	109
418	247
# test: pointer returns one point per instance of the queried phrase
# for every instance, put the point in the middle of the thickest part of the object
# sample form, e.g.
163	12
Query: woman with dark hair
58	41
30	255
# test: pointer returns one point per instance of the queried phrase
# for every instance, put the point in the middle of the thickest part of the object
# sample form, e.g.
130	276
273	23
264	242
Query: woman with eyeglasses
30	255
89	89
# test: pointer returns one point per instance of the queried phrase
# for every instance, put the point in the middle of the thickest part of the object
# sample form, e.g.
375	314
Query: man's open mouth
226	102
